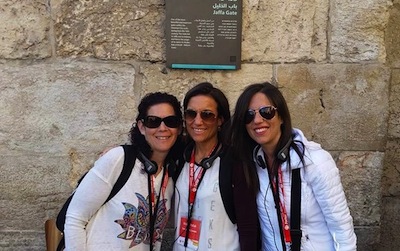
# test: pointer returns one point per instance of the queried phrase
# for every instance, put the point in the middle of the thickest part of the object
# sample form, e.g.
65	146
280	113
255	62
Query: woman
134	219
215	208
262	131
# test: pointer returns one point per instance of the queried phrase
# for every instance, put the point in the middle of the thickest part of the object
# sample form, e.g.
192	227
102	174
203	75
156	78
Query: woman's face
265	132
161	138
202	130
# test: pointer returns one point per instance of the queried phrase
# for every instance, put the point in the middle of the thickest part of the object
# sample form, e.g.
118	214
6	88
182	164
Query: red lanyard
283	213
193	183
153	207
162	189
193	186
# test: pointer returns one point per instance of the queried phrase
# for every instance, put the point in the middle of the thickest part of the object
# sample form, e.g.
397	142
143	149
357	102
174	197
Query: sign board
204	34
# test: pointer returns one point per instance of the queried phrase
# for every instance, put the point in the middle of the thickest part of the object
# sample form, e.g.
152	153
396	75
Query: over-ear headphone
283	153
150	166
207	162
258	158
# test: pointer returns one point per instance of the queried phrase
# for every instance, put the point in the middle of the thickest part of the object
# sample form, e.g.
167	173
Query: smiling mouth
163	137
260	130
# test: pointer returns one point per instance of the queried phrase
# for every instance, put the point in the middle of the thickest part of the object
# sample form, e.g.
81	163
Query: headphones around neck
150	166
284	152
207	162
282	155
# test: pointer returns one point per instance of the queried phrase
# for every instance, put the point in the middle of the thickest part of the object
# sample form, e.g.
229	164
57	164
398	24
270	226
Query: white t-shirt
210	221
123	222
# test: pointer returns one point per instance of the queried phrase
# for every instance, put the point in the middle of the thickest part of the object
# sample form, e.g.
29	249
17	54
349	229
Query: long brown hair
243	145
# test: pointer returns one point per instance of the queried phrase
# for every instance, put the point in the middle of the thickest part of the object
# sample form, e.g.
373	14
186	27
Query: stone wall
73	72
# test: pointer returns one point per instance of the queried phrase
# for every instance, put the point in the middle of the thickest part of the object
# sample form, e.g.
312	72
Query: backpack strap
129	161
61	244
225	177
295	210
225	183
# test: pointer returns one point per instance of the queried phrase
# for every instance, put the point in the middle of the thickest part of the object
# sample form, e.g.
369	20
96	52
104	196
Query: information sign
204	34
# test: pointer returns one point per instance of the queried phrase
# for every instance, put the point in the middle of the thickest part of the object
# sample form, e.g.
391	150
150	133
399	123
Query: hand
106	150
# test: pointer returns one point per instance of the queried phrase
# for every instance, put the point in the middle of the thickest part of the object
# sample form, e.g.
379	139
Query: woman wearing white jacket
271	149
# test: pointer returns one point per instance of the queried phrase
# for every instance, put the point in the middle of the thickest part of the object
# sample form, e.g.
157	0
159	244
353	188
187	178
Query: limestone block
368	238
111	29
339	106
55	106
33	187
391	174
358	30
36	186
390	222
393	36
289	31
394	118
35	240
360	172
22	240
233	83
24	29
157	77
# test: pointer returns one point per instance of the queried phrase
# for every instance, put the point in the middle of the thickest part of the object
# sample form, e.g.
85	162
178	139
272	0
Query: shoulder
317	156
314	154
317	161
320	166
109	161
112	155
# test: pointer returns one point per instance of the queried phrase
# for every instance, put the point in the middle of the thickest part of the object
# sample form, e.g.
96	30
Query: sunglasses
154	121
206	116
267	112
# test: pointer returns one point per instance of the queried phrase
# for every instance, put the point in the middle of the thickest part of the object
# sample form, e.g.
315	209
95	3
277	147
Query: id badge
194	233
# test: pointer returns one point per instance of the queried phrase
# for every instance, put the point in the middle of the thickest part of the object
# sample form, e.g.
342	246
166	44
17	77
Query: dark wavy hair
207	89
243	145
149	100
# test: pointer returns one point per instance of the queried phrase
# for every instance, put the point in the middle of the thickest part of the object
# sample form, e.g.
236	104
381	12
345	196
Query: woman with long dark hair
215	207
277	157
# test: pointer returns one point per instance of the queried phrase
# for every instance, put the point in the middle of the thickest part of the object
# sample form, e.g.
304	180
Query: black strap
225	176
129	161
225	182
295	210
61	244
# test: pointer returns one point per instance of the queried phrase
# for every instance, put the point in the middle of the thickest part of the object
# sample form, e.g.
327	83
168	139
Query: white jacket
326	222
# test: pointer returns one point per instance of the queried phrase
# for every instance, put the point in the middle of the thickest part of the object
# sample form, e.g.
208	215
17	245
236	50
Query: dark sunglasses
267	112
154	121
206	116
